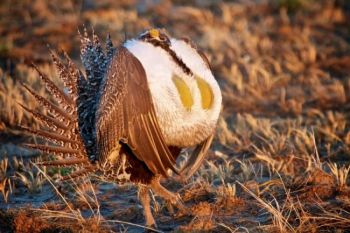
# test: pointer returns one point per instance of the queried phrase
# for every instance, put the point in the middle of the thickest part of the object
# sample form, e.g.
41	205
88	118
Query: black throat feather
165	46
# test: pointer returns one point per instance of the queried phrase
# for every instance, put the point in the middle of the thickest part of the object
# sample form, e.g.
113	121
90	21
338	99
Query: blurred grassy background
283	66
282	58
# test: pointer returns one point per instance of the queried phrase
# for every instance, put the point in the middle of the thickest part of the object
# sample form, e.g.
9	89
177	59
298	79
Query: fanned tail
51	136
96	64
69	125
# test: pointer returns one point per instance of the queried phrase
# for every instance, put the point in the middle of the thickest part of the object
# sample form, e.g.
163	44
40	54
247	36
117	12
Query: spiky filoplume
70	124
110	120
95	62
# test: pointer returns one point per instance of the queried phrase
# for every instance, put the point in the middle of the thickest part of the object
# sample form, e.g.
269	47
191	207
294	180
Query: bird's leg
143	195
170	197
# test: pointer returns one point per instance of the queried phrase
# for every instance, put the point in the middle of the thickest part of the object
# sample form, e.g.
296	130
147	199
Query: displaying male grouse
132	112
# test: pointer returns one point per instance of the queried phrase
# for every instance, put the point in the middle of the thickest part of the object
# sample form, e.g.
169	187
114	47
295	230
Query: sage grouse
128	117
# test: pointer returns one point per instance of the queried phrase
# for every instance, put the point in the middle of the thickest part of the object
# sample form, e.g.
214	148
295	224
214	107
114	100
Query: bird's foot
172	200
180	206
144	198
151	228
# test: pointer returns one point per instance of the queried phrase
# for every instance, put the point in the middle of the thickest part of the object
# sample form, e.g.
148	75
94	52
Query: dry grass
12	93
280	162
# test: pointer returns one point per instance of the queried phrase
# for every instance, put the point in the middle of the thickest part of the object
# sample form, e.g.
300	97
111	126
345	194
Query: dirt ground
280	160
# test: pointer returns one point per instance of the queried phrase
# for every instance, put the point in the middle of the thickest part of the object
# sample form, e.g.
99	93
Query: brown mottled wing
126	114
196	158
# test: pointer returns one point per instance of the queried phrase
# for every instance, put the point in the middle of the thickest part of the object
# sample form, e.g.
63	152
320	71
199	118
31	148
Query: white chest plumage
180	125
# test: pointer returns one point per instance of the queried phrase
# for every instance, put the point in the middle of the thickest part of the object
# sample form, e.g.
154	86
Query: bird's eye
164	38
155	36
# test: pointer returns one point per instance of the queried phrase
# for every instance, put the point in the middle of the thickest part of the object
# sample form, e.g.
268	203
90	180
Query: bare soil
281	158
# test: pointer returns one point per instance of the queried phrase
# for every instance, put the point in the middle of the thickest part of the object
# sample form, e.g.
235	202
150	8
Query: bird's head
182	51
155	36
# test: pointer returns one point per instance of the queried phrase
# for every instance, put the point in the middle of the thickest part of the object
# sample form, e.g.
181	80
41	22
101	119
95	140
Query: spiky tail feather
69	126
88	96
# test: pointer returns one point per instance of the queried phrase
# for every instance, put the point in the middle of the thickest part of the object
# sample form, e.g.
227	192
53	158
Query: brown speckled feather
126	113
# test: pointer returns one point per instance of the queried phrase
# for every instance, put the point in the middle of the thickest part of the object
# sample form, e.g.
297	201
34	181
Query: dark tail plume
69	125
